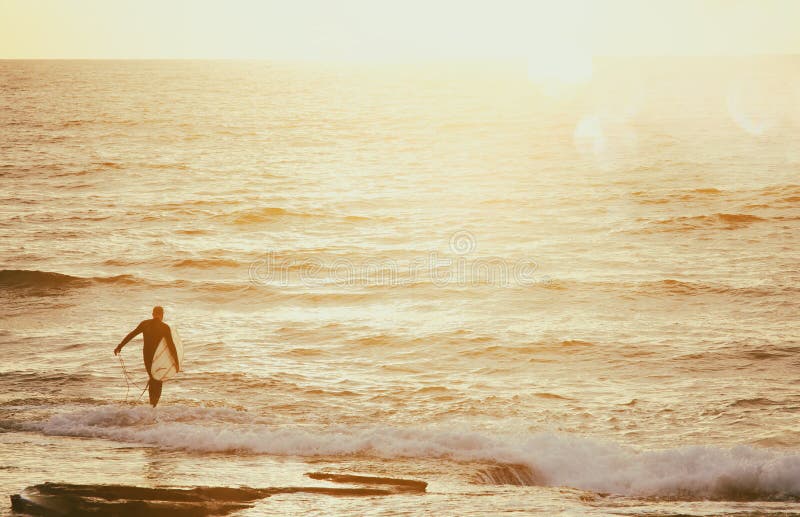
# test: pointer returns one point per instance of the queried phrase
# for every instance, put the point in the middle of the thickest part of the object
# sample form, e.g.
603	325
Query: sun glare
567	68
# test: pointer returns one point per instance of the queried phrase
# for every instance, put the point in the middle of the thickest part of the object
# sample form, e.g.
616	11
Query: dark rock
65	499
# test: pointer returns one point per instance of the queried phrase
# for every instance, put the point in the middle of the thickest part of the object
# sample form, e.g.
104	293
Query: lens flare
604	140
753	106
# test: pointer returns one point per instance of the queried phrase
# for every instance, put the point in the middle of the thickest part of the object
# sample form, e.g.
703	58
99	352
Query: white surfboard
164	366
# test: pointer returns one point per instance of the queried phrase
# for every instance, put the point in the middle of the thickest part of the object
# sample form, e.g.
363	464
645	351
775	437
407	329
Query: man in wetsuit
154	330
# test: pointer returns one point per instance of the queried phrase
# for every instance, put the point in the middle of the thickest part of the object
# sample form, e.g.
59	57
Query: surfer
153	331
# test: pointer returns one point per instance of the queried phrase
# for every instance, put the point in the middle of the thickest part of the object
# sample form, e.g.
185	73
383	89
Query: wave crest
718	221
262	215
33	279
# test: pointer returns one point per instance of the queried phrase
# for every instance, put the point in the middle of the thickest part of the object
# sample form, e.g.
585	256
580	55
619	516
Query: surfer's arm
172	349
133	333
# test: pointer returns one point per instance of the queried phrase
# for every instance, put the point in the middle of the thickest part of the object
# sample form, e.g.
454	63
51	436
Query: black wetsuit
153	331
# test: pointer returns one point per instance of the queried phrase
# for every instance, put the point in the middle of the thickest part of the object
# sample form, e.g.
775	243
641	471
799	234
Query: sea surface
575	299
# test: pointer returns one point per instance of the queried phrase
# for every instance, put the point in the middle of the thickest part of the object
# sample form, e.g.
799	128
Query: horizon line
400	61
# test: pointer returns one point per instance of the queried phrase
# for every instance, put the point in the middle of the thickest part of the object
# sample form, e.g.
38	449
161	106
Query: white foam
563	460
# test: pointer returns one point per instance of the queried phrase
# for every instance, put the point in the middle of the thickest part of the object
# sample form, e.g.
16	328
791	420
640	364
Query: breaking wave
546	458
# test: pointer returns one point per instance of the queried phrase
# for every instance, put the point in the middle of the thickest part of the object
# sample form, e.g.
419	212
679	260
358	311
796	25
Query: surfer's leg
153	386
147	355
155	391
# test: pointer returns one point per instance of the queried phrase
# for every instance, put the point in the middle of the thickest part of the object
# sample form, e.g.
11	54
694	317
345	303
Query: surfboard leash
126	375
143	390
129	380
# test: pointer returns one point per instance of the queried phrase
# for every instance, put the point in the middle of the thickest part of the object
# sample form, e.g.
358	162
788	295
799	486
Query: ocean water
575	299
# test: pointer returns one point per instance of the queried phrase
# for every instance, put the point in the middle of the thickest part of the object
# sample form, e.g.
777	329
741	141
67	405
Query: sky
401	30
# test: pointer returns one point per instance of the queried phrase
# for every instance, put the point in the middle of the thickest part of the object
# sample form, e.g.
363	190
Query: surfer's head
158	312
